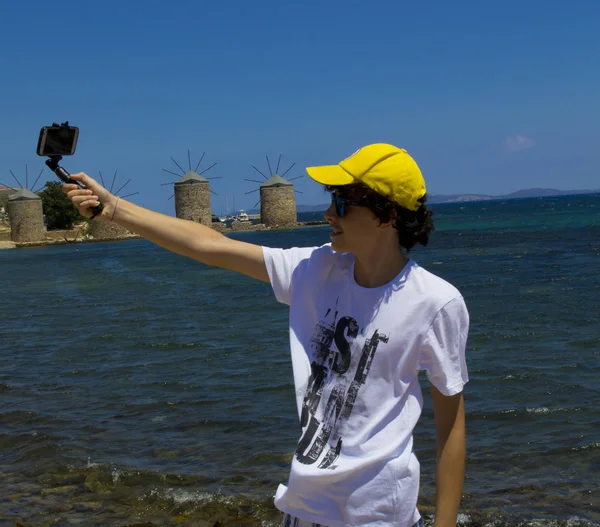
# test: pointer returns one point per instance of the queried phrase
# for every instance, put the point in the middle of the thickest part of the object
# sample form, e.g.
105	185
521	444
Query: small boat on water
243	216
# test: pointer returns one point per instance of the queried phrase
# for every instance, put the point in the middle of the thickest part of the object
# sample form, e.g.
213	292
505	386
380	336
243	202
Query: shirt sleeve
442	353
281	265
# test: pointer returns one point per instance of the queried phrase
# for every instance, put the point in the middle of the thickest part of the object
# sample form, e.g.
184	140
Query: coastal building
278	203
5	192
277	198
25	216
192	199
192	193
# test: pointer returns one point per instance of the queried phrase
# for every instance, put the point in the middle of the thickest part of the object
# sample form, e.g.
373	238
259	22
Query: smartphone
57	140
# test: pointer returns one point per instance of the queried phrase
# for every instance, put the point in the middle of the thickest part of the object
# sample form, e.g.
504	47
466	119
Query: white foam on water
180	496
573	521
538	411
542	410
591	446
463	519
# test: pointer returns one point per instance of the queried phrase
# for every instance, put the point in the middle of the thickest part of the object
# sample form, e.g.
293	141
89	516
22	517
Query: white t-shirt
356	354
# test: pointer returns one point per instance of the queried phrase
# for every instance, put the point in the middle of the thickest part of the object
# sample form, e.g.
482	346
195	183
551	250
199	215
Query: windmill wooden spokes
190	171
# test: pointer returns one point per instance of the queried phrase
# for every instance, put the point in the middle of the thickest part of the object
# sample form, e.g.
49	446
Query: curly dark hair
413	226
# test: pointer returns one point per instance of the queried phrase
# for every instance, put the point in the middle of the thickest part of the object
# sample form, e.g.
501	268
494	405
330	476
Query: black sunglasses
340	204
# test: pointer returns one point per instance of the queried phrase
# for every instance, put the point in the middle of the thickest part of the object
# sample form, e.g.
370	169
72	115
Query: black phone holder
65	177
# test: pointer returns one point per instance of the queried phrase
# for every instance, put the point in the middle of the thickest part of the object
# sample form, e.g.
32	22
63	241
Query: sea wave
516	412
543	410
589	446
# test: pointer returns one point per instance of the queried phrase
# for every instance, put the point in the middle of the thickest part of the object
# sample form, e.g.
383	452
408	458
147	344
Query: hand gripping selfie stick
65	177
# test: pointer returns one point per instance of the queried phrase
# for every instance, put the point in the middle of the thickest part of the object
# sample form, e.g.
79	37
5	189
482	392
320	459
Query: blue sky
488	97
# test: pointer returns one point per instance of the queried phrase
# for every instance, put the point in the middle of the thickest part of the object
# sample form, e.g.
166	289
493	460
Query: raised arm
180	236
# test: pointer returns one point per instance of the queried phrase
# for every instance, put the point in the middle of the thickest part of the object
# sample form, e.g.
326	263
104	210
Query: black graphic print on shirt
332	366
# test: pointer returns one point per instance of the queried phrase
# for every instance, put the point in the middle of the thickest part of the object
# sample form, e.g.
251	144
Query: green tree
59	211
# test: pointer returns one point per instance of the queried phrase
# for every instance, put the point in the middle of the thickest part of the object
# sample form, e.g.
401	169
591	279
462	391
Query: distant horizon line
536	192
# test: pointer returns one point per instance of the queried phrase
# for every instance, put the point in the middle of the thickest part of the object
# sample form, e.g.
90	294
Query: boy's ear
391	221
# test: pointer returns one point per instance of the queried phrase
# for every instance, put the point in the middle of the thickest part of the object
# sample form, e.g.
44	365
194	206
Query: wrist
109	210
114	209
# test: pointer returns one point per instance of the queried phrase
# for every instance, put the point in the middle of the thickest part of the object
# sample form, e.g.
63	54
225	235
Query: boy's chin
338	246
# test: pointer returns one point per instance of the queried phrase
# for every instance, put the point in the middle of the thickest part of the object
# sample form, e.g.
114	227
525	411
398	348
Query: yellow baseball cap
386	169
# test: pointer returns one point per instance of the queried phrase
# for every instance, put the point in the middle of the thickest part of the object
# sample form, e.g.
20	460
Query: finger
83	177
68	187
79	192
79	201
82	197
90	203
85	209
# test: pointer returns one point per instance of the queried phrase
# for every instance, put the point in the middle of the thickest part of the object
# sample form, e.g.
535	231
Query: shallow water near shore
138	387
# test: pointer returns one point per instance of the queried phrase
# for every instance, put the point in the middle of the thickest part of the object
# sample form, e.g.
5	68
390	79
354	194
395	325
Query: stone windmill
277	198
106	230
25	212
192	193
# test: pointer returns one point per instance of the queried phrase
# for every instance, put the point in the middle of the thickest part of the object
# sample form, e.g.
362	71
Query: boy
364	320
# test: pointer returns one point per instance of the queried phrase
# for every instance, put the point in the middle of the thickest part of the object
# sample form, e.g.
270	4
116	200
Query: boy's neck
378	267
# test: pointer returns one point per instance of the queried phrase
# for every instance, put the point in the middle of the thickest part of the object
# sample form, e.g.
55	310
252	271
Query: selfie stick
65	177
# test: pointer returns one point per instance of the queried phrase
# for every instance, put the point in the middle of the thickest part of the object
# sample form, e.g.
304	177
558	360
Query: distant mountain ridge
524	193
457	198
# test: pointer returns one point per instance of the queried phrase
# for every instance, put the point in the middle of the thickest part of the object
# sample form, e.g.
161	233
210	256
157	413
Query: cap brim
330	175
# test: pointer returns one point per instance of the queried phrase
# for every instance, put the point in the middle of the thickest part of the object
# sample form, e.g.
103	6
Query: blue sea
141	388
